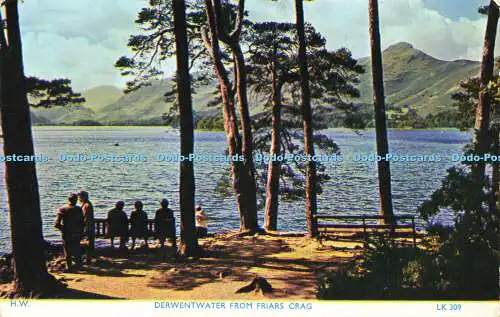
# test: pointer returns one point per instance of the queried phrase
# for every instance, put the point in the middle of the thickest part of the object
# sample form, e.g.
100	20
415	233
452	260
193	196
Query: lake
352	189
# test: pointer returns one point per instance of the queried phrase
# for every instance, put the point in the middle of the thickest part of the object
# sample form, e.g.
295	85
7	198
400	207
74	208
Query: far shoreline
217	130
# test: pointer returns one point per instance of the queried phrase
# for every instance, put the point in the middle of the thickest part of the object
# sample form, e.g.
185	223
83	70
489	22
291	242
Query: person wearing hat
118	224
88	218
69	221
139	224
201	222
165	224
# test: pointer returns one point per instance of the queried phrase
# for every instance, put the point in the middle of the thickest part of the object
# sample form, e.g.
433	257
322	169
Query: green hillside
416	79
101	96
412	79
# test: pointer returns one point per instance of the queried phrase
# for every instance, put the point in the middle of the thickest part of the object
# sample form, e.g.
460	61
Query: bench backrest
101	226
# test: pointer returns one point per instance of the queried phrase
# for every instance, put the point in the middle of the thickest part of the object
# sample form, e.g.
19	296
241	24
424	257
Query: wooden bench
101	228
368	224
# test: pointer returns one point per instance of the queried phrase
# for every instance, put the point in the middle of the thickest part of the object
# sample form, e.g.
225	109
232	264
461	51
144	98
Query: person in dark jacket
165	224
139	224
88	218
118	224
69	221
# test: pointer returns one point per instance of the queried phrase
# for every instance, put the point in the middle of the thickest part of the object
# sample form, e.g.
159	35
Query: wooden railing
101	227
367	223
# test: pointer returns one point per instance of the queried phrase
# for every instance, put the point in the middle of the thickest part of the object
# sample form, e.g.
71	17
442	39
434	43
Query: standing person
139	224
118	224
165	224
201	222
69	221
88	218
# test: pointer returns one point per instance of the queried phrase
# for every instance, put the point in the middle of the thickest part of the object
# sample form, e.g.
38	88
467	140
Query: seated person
165	224
118	224
139	224
201	222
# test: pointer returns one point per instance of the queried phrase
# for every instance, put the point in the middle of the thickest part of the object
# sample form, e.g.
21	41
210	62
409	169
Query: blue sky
81	39
455	9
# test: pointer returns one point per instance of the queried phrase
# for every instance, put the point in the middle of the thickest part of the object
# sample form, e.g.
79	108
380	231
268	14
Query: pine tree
31	278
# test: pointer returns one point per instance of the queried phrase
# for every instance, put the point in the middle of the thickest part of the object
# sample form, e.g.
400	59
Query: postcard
242	158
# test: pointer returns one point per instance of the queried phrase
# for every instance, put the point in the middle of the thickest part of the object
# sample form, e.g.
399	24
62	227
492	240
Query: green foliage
210	122
445	270
387	271
155	42
443	119
409	119
274	45
50	93
86	123
467	252
458	261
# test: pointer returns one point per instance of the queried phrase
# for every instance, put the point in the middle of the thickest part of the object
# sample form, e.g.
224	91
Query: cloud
78	39
345	23
81	39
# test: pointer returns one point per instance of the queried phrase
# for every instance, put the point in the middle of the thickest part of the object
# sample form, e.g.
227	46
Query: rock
258	284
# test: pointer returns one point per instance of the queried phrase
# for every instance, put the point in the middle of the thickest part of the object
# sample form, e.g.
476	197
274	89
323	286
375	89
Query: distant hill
101	96
412	78
148	104
416	79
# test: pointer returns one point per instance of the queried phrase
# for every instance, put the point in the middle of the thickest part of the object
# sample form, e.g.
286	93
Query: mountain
147	104
101	96
95	99
412	79
416	79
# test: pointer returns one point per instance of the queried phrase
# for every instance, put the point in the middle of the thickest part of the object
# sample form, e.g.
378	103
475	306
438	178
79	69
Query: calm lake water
352	189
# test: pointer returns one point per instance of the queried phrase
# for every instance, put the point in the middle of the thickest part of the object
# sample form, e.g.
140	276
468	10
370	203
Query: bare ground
290	262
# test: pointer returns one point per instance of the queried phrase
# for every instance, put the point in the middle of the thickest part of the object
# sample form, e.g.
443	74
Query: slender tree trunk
384	172
250	187
481	126
495	178
30	271
311	178
211	42
274	169
189	242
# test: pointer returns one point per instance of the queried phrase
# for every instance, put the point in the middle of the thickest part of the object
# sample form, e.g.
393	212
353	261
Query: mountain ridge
412	78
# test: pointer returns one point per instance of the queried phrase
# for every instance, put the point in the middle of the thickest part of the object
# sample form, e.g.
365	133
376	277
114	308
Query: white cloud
81	39
345	23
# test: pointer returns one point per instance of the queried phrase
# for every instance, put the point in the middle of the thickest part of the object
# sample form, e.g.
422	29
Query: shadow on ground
71	293
227	258
243	259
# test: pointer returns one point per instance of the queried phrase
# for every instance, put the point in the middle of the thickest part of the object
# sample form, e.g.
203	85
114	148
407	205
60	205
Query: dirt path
291	263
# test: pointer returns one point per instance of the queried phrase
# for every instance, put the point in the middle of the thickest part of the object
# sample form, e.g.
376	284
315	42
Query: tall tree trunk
384	172
30	271
189	242
250	187
481	126
274	169
311	178
495	178
211	42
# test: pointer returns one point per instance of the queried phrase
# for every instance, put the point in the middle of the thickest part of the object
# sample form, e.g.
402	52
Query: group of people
118	224
76	222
